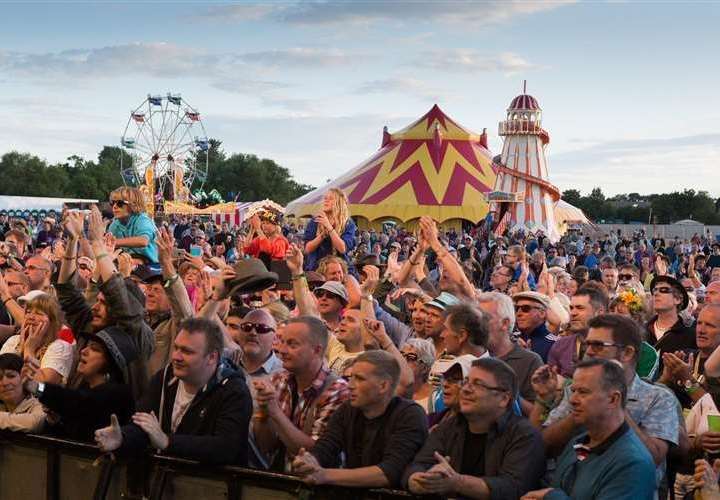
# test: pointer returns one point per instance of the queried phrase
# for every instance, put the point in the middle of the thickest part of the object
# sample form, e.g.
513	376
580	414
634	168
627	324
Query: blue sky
628	89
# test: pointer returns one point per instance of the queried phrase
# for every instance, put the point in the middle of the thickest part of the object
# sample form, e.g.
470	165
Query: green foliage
240	176
663	208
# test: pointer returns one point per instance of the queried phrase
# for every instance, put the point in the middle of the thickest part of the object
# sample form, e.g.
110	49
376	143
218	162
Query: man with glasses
666	331
628	273
652	411
255	334
39	270
501	278
486	451
331	297
607	460
530	317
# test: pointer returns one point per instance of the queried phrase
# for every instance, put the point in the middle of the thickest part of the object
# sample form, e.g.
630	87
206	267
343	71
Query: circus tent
432	167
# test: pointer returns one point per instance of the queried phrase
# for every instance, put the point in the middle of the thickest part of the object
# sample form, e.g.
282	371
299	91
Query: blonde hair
133	197
340	212
48	305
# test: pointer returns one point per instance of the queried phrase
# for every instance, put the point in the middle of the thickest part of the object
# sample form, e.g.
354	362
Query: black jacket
514	454
389	441
84	410
215	426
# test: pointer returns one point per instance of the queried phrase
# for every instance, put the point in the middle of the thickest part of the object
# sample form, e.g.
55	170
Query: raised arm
451	266
303	297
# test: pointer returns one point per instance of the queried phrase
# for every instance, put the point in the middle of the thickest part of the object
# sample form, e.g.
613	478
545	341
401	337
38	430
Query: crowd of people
452	363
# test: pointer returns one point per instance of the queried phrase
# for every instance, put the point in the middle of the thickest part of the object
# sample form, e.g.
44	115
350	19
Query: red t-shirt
277	248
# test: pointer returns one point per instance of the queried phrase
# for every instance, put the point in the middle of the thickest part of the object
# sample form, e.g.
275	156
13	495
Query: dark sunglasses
599	344
625	277
662	289
84	267
118	203
320	293
526	308
259	328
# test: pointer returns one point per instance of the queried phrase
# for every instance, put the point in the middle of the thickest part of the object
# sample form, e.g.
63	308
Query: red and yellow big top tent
432	167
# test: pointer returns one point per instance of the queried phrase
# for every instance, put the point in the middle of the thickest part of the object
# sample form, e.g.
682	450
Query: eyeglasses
526	308
476	384
410	356
259	328
625	277
118	203
83	267
320	293
689	288
662	289
599	344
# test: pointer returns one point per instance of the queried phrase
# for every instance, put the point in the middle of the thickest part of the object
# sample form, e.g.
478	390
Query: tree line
237	176
664	208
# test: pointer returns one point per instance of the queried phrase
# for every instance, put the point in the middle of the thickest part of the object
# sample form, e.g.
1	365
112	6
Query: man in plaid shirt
294	406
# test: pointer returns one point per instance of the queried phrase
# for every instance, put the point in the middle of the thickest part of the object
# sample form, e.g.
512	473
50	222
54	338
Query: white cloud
643	166
473	61
300	57
365	12
401	85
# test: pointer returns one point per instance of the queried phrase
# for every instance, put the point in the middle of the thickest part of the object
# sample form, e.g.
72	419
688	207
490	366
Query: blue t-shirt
137	225
325	248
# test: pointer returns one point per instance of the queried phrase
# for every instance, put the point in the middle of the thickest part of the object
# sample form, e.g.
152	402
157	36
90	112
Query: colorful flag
156	100
175	99
192	115
139	117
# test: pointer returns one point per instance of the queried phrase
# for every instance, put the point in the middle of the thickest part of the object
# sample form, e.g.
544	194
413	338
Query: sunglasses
320	293
118	203
527	308
625	277
84	267
599	344
663	290
259	328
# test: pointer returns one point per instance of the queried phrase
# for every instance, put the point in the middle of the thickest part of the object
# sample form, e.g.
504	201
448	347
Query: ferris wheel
168	148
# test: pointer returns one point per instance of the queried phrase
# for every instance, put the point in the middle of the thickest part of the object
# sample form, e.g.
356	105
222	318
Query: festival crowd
454	363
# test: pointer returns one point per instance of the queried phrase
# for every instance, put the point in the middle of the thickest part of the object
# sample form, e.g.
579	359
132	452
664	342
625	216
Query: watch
40	389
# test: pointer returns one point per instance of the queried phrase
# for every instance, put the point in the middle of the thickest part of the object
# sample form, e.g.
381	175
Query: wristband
65	257
297	277
168	282
7	300
100	256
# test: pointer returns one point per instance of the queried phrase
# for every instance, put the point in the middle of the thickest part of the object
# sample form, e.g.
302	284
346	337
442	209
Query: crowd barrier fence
43	467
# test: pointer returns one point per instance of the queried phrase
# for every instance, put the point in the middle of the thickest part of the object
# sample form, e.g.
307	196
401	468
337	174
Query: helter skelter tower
523	193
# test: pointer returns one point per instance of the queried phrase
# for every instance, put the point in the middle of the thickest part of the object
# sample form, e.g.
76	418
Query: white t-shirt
183	398
337	356
696	421
59	355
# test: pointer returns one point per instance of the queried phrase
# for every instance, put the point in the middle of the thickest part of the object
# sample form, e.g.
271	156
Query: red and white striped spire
523	167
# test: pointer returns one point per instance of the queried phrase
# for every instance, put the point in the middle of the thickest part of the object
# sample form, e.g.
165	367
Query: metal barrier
42	467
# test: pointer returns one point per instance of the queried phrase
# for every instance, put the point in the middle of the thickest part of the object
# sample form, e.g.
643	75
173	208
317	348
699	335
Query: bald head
260	316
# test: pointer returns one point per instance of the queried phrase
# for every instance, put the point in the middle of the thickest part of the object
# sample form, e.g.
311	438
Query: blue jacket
326	248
